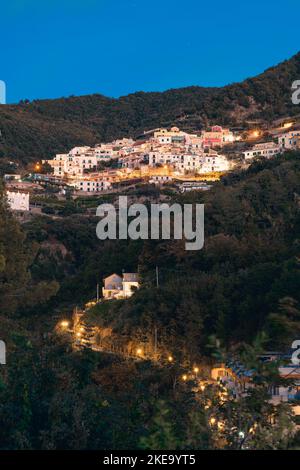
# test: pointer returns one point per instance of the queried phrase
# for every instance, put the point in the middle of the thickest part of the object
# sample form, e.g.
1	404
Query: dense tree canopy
209	304
36	130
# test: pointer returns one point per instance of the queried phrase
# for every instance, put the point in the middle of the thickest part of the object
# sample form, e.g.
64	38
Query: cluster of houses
238	379
282	141
159	156
177	152
184	153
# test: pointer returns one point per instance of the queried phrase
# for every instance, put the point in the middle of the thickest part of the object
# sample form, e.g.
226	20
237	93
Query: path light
220	425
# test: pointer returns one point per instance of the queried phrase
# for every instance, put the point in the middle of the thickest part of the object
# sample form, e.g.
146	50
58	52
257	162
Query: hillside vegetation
42	128
245	280
241	289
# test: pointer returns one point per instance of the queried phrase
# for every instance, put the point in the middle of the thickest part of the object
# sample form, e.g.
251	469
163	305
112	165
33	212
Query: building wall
18	201
92	185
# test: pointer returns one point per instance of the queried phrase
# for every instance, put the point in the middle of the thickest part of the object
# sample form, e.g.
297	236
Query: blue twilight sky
54	48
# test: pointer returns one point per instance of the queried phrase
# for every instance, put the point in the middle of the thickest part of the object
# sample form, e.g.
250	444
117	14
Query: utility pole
157	279
155	343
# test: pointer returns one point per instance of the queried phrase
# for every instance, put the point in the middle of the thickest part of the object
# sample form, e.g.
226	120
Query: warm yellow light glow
212	421
184	377
81	328
196	370
255	133
220	425
170	359
64	324
202	387
139	351
78	334
286	125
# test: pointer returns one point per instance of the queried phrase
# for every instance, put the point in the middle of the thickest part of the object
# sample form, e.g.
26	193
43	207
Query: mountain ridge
41	128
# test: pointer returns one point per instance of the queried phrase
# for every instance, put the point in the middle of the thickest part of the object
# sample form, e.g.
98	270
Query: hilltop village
159	157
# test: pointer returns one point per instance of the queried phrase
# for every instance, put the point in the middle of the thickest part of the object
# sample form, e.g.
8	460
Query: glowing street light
220	425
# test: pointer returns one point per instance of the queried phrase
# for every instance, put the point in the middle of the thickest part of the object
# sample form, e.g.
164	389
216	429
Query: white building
74	163
180	160
160	179
289	140
18	201
166	136
120	287
265	149
238	380
194	186
213	162
93	185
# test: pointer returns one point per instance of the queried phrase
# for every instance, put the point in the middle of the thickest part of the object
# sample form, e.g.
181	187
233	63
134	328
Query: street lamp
220	425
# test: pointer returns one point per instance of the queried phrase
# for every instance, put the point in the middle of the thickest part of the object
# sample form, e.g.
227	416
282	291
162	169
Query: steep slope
44	127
